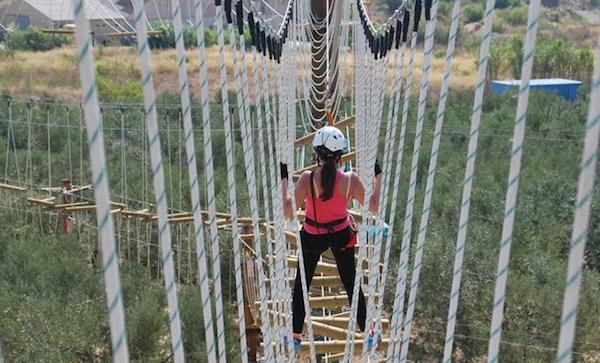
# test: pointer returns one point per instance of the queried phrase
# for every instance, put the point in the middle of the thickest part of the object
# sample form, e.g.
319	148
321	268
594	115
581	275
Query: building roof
540	82
62	10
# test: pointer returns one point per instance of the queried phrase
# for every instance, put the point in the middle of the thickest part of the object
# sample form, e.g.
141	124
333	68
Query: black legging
312	247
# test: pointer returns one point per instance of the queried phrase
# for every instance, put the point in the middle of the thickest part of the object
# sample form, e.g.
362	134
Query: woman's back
331	210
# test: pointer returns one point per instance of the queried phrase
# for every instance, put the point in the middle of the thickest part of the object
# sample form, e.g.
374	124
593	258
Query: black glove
377	168
284	170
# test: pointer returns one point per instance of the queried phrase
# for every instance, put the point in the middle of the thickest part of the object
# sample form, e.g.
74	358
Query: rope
110	268
581	222
468	181
432	169
158	183
399	296
190	148
376	258
513	183
395	188
231	183
244	115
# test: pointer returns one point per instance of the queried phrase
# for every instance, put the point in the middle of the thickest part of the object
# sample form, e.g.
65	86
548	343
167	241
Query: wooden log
81	208
143	213
46	202
151	33
118	205
307	139
68	205
14	188
317	282
116	211
80	189
325	302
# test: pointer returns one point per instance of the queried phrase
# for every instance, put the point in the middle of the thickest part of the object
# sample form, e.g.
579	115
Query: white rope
390	134
395	188
399	296
284	139
583	205
468	181
216	265
158	183
190	148
513	183
248	151
110	269
421	239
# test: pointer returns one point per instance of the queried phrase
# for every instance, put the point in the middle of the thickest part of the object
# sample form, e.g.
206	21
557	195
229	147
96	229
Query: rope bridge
279	103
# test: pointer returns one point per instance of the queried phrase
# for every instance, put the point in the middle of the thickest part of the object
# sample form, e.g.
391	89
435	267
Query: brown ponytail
328	174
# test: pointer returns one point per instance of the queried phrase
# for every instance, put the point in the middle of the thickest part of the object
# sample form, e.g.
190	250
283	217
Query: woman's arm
299	192
358	190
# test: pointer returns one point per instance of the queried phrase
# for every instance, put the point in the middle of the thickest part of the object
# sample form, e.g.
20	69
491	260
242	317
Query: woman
325	194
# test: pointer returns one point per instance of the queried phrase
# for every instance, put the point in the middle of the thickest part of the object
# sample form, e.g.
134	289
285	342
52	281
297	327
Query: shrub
473	13
34	40
503	4
498	26
517	16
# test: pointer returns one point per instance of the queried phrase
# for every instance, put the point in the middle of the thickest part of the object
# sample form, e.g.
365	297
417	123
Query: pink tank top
328	211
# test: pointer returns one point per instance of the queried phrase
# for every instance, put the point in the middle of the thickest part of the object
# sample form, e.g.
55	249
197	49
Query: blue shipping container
567	89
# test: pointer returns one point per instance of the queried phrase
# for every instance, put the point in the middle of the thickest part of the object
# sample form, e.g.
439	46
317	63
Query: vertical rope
190	149
216	264
110	268
379	223
581	222
421	239
468	181
244	114
513	183
395	188
399	295
158	182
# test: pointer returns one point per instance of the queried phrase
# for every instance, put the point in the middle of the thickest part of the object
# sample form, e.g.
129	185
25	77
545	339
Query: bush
167	40
503	4
473	13
517	16
34	40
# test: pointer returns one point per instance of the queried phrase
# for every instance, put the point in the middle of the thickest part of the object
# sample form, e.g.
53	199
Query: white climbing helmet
331	138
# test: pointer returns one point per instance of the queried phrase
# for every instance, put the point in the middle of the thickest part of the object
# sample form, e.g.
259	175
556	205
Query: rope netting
364	69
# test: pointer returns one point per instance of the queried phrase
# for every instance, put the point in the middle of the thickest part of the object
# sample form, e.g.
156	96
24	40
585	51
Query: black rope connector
428	4
405	26
398	33
228	11
263	41
418	9
217	2
239	12
251	28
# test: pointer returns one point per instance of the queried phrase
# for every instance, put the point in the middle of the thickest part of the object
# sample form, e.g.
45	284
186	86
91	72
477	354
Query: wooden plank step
46	202
317	282
342	322
326	302
337	346
14	188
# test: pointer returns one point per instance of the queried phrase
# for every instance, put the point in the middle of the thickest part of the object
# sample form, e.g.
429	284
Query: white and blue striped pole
164	232
252	194
513	183
190	148
91	108
585	192
468	181
421	239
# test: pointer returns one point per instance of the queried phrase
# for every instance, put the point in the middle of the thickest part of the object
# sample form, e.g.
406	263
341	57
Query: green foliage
34	40
554	58
502	4
473	13
516	16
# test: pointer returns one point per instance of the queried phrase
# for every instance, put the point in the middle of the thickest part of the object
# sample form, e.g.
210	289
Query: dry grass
54	72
